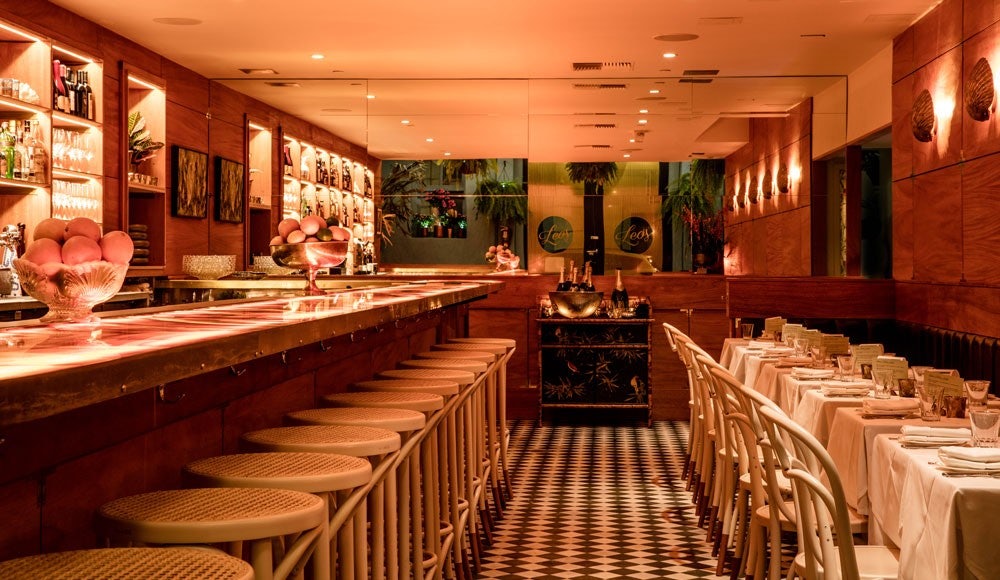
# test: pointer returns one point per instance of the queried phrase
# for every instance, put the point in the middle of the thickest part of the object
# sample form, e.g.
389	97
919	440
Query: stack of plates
921	436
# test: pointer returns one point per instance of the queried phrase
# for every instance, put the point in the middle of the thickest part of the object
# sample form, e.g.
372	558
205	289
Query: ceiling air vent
594	114
695	81
594	126
284	84
600	86
720	20
595	146
258	71
701	72
619	65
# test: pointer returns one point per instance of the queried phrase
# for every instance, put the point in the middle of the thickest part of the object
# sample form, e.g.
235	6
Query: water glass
746	330
845	363
930	403
985	428
883	384
976	393
801	344
819	356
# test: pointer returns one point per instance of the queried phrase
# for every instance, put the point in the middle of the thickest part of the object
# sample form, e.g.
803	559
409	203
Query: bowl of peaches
310	245
70	266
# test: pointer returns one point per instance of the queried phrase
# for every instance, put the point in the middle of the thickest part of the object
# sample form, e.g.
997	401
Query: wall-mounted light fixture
783	183
979	92
767	186
754	191
922	121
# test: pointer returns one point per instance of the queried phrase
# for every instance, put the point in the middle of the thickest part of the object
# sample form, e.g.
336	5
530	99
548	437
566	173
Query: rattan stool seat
212	515
344	439
129	563
439	387
479	356
460	377
398	420
308	472
470	366
495	349
422	402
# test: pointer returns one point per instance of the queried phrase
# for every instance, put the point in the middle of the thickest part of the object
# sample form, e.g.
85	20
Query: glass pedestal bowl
576	304
71	292
311	256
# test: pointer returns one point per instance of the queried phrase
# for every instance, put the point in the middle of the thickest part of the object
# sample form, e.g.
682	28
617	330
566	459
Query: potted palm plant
404	182
695	197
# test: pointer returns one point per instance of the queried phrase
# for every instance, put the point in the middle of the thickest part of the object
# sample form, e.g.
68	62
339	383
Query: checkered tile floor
598	502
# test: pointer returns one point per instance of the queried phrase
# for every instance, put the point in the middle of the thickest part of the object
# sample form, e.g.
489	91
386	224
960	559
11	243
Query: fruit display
71	267
310	244
310	229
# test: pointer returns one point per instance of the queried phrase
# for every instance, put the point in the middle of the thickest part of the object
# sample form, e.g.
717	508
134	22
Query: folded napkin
760	344
808	373
779	350
791	361
984	458
845	388
895	404
943	432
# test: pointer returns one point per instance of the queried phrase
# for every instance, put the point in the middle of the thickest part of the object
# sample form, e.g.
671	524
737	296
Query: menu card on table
949	384
815	337
774	324
791	330
866	353
897	364
836	343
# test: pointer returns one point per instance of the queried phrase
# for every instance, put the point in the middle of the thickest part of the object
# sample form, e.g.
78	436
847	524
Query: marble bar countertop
49	369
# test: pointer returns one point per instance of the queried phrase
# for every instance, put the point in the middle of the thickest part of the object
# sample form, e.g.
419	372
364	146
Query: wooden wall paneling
810	297
937	32
186	128
805	261
225	104
21	533
226	140
942	77
169	449
902	229
980	137
902	56
964	308
73	493
668	376
784	254
854	172
338	375
115	48
818	213
759	233
186	87
735	253
798	124
112	218
265	409
903	94
937	226
979	15
112	130
981	219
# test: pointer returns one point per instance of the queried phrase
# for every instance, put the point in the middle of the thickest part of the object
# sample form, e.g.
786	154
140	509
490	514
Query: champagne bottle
562	286
588	280
7	142
574	286
619	296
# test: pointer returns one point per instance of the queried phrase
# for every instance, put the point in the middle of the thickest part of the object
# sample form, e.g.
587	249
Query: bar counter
46	370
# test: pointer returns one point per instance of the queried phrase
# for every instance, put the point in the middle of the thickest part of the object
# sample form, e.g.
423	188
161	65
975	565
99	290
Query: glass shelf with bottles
23	151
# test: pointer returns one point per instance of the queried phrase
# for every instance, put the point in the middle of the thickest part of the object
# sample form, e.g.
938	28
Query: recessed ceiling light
643	111
631	140
429	139
447	153
317	56
643	121
178	21
369	96
627	155
654	91
670	55
405	121
676	37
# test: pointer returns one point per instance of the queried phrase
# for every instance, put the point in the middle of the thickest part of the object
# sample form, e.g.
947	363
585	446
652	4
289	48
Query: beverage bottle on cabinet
588	282
7	142
619	296
574	286
563	285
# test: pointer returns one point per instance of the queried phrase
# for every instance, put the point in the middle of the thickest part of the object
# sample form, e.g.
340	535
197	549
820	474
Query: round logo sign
634	235
555	234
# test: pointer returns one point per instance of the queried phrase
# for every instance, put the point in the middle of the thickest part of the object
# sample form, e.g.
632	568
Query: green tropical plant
504	202
404	182
599	174
695	197
454	168
140	144
594	177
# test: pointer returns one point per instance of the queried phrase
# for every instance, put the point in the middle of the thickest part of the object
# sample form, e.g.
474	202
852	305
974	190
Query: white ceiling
496	79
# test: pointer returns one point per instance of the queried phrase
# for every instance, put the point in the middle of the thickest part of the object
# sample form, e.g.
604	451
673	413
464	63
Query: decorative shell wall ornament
979	92
731	199
923	117
768	186
783	178
753	189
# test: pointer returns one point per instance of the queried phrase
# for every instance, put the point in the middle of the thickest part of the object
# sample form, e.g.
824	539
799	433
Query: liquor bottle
28	163
7	142
58	88
319	209
619	296
39	158
20	154
287	153
563	285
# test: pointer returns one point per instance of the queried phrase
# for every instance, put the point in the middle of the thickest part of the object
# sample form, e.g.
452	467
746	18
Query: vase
438	231
449	232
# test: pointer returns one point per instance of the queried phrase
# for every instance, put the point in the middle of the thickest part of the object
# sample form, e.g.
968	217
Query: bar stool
128	564
509	345
451	505
224	516
372	443
410	514
322	474
390	549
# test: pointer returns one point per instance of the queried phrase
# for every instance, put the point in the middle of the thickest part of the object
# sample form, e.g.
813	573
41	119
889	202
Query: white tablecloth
815	412
729	350
944	527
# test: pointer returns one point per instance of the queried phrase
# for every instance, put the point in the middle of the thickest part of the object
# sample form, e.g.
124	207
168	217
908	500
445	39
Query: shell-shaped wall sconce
783	185
979	92
752	193
767	188
923	117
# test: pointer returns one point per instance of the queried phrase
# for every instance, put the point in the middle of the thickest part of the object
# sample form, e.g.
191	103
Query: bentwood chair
827	550
672	331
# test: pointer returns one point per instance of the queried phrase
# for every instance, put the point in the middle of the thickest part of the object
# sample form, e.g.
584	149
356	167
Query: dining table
945	527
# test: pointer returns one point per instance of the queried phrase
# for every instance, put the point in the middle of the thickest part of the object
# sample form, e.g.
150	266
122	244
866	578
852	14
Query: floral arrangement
707	233
441	199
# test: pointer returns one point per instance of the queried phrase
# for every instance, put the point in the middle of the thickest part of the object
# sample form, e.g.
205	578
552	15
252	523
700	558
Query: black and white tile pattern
598	501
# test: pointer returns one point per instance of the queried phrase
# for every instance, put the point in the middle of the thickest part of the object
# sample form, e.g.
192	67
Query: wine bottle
7	141
88	97
20	154
562	286
70	81
58	88
619	296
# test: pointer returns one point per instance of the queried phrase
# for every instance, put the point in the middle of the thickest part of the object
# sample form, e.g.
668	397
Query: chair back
823	521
